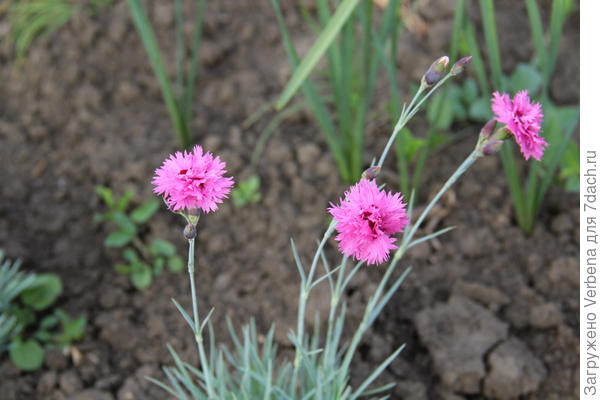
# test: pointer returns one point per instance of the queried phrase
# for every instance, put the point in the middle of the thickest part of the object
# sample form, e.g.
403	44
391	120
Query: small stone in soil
91	394
457	335
47	382
490	296
562	223
55	359
514	371
545	315
70	382
410	390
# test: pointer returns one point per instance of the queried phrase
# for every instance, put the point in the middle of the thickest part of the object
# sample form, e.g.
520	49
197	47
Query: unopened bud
435	71
371	173
487	129
460	65
492	148
189	232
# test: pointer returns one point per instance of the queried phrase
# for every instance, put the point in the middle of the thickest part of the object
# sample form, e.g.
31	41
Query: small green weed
23	297
144	261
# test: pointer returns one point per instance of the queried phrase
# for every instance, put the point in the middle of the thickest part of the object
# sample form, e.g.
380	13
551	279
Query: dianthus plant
365	222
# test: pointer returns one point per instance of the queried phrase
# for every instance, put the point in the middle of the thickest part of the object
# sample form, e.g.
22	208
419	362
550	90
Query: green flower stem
376	303
197	332
459	171
409	113
304	293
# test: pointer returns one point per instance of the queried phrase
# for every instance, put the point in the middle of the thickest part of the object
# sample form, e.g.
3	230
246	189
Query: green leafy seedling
144	261
141	275
71	329
160	247
246	192
569	168
525	77
43	291
176	264
26	355
144	212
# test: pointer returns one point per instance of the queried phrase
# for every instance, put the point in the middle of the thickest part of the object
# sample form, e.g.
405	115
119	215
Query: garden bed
85	110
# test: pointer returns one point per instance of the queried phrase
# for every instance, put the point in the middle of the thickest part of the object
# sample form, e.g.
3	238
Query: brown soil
86	110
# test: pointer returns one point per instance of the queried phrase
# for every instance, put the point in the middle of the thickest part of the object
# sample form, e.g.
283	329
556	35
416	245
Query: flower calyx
460	65
435	71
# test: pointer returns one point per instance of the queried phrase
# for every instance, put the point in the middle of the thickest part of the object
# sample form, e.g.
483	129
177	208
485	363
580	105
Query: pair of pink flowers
368	217
366	220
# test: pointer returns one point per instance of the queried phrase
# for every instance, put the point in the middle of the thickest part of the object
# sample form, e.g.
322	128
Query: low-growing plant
246	192
179	97
144	261
30	19
24	329
366	221
12	283
353	63
342	95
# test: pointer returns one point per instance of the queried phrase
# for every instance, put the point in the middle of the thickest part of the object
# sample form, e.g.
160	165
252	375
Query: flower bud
435	71
460	65
487	129
492	148
189	232
371	173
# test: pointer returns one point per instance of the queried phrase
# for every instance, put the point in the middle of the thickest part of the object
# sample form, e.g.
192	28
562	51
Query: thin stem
409	113
399	125
304	292
459	171
197	333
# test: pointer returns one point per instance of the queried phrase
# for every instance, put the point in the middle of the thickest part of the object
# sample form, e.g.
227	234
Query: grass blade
329	33
557	19
179	51
149	40
191	75
477	60
314	100
514	182
491	40
553	164
537	33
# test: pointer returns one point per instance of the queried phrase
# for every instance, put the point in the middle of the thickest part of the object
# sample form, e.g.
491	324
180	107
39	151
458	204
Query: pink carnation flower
524	119
367	219
192	180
